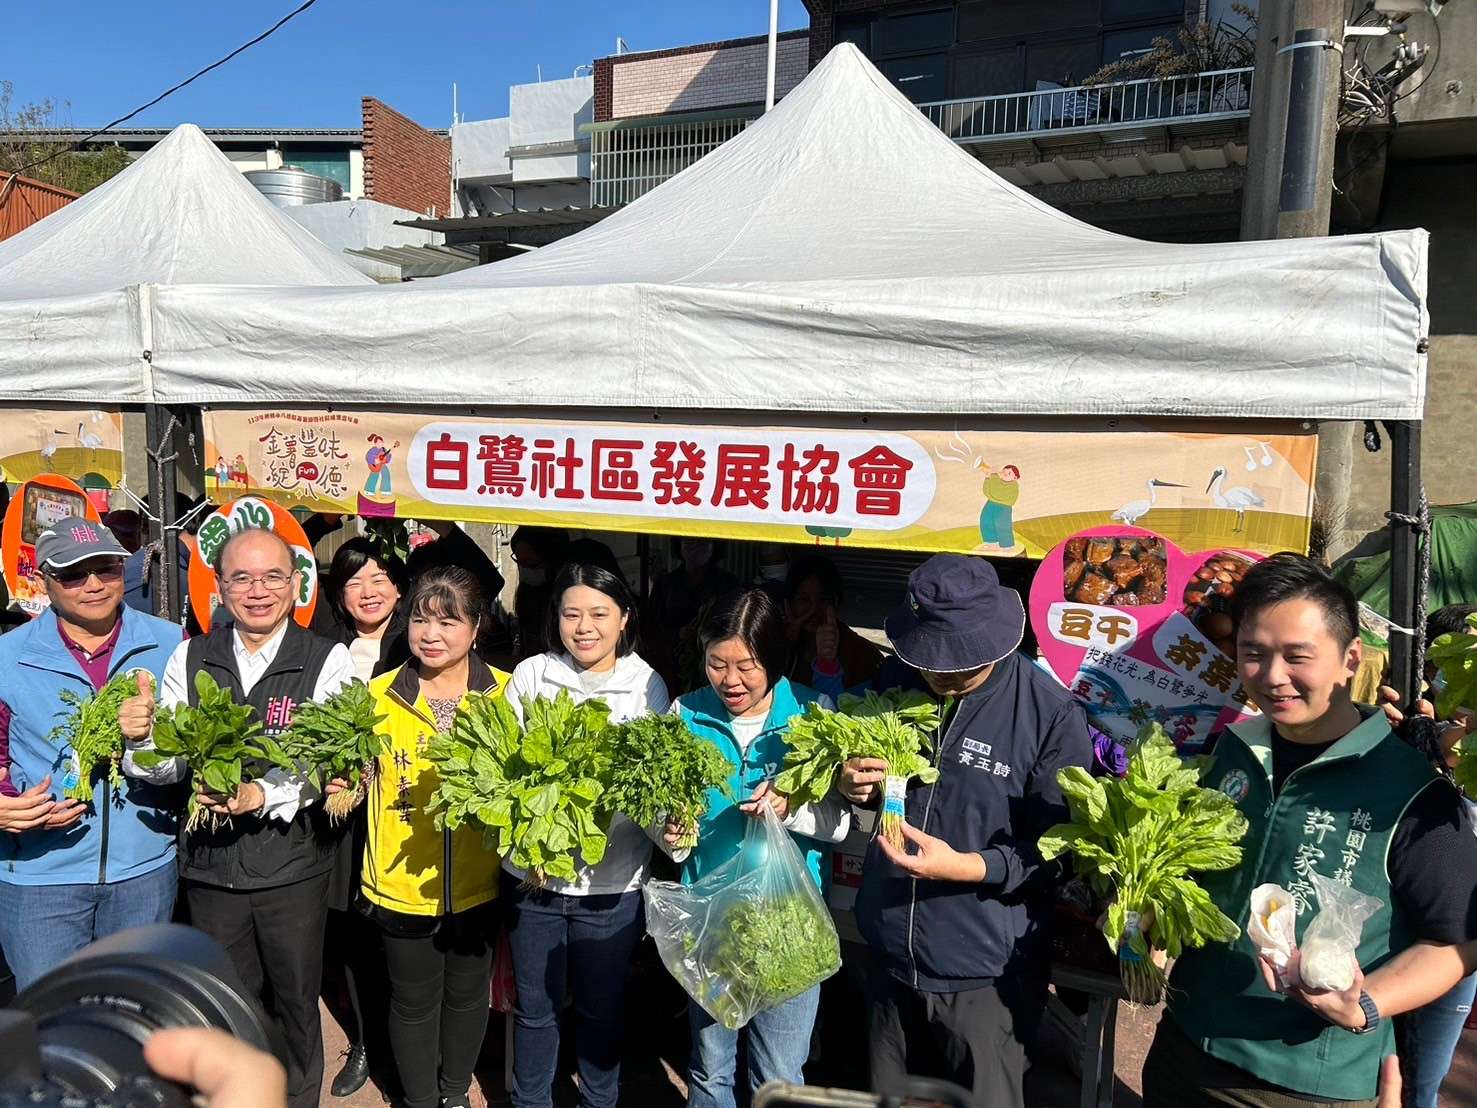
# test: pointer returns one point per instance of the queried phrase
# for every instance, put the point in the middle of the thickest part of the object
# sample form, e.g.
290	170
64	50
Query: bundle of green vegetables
337	737
91	729
894	726
660	769
1139	840
769	950
1455	656
216	738
537	793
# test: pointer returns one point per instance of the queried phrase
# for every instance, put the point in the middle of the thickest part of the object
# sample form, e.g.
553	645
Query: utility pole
1289	182
774	35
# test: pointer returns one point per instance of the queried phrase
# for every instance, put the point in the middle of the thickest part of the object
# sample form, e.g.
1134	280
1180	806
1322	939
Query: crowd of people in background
956	924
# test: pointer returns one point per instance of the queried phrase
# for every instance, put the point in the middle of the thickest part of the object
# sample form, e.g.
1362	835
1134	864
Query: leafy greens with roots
660	769
1139	840
216	738
337	737
894	726
91	729
1455	656
537	792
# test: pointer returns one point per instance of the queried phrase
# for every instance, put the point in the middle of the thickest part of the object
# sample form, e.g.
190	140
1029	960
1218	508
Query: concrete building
523	180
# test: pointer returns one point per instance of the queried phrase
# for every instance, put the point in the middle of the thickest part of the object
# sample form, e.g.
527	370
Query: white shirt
631	689
828	820
284	792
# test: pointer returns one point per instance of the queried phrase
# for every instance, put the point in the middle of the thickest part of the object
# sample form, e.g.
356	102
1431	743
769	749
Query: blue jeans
1431	1037
570	944
779	1043
41	926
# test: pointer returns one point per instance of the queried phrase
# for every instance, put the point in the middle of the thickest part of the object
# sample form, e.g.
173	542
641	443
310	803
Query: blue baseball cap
958	616
76	539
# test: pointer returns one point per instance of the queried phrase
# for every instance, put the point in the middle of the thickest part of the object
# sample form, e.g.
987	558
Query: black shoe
351	1078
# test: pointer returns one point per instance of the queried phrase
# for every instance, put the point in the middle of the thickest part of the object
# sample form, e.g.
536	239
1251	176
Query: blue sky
107	57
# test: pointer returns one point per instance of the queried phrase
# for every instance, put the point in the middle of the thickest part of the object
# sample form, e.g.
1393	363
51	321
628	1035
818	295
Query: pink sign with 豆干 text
1139	631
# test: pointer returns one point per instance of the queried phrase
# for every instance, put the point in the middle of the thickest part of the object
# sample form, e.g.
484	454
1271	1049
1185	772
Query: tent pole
774	29
643	553
1407	588
159	424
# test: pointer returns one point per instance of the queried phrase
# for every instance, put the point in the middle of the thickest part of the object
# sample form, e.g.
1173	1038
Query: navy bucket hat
958	616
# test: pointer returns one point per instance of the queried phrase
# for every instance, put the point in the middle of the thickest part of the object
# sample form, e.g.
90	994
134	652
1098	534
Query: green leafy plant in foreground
1455	656
660	769
91	729
337	737
768	951
894	726
1139	840
217	738
537	793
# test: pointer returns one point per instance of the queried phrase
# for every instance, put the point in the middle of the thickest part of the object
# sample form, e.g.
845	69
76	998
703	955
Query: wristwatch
1371	1015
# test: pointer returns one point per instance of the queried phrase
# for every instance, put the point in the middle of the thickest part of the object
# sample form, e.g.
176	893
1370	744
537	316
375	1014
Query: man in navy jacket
957	920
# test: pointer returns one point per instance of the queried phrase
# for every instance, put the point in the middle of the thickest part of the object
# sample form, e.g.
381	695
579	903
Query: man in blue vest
958	920
1327	789
70	872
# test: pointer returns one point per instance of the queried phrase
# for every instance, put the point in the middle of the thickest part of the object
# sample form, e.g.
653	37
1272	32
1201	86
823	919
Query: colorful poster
240	515
85	444
35	506
979	488
1140	631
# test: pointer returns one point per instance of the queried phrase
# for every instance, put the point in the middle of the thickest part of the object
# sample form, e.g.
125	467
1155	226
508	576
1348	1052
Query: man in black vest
259	884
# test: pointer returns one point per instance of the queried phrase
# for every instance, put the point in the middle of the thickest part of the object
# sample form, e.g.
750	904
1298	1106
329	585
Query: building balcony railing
1193	98
630	159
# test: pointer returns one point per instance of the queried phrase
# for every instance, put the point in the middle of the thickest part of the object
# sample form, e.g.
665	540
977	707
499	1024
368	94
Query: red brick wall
404	164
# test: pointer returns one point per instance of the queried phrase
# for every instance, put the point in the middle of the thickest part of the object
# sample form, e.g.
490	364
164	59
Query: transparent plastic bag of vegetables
751	934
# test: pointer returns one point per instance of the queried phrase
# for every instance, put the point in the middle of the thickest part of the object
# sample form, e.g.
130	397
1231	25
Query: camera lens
94	1012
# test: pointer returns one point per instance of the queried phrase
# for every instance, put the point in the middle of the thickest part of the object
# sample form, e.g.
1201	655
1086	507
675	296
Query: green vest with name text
1335	816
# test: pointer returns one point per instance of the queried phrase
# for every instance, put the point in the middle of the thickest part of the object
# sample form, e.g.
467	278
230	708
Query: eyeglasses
75	576
274	580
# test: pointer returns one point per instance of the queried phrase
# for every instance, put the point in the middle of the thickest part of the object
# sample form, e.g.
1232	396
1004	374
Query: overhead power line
79	143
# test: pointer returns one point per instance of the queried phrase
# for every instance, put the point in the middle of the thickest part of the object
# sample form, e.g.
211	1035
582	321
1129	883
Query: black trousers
275	940
439	1003
976	1039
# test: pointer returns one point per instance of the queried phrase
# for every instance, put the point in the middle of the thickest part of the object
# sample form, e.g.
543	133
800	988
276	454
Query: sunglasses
73	576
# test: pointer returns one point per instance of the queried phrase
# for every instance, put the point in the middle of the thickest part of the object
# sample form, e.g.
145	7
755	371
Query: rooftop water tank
290	186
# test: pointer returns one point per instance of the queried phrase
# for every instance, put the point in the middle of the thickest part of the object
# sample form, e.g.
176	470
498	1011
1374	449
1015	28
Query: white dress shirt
284	792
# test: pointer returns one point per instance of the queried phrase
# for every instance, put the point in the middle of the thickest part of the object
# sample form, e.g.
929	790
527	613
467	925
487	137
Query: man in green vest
1327	788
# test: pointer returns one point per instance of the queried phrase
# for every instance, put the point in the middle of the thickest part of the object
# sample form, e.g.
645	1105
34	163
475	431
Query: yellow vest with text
410	866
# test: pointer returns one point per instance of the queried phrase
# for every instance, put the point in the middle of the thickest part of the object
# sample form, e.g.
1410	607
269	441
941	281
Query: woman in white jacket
580	935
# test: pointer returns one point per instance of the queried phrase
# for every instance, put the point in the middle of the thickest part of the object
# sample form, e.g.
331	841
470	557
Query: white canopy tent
75	287
840	255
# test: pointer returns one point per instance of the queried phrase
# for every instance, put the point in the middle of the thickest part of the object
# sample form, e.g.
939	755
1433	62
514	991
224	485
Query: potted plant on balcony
1195	49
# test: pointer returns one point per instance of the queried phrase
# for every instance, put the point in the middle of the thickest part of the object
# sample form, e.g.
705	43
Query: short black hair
447	592
602	580
1288	576
549	543
752	617
1448	620
353	556
823	570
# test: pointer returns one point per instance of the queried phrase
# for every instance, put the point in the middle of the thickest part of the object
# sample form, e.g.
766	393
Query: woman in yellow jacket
431	892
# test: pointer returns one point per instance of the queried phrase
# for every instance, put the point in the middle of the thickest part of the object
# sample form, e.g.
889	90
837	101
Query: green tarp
1366	568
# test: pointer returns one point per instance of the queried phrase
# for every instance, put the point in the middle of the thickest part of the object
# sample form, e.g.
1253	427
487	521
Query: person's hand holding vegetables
754	806
934	859
675	835
136	714
249	798
861	778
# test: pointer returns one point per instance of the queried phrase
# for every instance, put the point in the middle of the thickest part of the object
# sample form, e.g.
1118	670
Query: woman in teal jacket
745	711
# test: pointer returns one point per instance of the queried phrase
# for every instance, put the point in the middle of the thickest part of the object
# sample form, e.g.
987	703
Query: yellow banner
974	487
85	444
